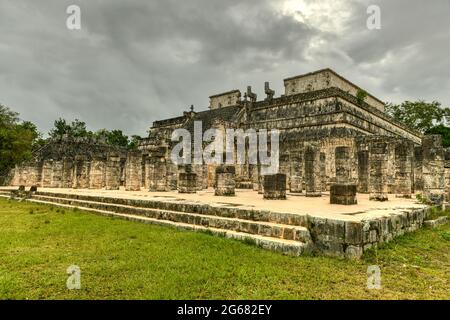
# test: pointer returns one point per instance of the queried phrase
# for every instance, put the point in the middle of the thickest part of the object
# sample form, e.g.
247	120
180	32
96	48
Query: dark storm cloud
137	61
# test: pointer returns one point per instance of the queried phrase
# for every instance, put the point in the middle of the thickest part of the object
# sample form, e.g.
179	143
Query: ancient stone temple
338	152
332	132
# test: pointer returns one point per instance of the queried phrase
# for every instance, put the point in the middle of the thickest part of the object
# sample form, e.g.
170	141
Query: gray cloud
134	61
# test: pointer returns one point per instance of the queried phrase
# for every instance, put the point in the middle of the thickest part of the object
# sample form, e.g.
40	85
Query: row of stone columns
78	173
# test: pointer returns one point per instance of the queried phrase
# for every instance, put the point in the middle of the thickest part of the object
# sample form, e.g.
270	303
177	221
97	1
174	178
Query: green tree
444	131
17	140
420	115
114	137
361	96
60	128
117	138
76	129
134	142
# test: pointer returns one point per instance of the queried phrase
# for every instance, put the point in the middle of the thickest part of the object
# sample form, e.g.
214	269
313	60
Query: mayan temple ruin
338	149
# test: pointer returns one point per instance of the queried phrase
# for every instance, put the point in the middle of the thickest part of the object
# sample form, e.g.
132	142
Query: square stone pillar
418	168
343	164
363	171
254	176
133	171
323	171
81	173
57	174
67	173
225	180
112	174
172	175
187	182
157	174
198	170
47	173
285	167
312	171
378	169
447	173
296	160
404	171
275	187
97	173
433	170
343	192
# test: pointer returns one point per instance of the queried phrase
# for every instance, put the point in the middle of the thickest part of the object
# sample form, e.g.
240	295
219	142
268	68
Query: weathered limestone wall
26	175
226	99
325	79
328	111
351	239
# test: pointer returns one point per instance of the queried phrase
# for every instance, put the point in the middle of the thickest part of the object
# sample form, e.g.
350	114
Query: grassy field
126	260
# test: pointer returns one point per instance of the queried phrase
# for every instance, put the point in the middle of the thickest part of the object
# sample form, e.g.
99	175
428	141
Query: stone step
178	205
288	247
267	229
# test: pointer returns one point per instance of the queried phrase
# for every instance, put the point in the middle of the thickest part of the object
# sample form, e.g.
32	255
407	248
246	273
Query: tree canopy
78	129
428	118
420	115
17	140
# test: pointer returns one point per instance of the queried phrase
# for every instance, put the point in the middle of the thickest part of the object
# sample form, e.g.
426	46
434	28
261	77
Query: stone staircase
282	232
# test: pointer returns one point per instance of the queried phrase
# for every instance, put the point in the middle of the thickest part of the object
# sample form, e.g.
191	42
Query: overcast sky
137	61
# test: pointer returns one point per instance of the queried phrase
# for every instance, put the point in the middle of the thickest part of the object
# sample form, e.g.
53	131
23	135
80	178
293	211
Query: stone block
225	183
275	187
187	182
344	194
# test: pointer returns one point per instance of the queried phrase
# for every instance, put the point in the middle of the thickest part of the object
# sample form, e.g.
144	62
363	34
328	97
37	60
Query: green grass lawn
126	260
